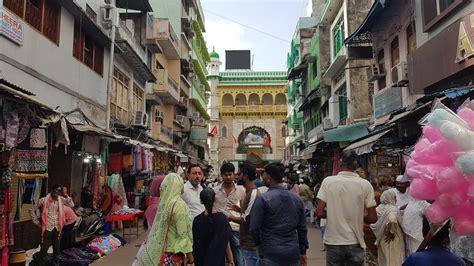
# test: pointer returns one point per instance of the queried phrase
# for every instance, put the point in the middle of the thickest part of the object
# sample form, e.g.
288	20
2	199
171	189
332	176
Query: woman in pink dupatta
150	212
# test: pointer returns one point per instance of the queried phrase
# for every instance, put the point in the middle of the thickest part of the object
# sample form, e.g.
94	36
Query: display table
123	217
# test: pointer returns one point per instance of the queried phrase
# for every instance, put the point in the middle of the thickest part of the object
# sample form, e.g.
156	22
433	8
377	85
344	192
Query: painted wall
73	84
171	9
395	21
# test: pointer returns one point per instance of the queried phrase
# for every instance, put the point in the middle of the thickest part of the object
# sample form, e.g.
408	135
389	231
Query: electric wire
246	26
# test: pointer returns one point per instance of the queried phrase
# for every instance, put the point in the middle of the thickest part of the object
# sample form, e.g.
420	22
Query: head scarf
155	200
170	194
387	212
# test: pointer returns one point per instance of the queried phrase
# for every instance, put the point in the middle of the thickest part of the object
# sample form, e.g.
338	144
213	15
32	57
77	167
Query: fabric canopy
346	133
365	145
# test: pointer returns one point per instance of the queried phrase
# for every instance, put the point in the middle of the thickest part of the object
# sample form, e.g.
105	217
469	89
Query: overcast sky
273	17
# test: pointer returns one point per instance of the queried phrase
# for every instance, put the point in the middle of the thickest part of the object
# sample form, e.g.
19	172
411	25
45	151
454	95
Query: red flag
268	142
213	132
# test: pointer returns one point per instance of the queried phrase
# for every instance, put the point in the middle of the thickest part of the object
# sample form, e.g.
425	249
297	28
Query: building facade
247	110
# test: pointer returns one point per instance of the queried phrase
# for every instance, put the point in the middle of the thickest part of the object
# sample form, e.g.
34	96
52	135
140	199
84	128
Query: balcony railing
166	87
163	33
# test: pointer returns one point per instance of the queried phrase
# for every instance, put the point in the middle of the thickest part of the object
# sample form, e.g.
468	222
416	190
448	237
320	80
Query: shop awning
22	95
346	133
307	153
364	146
95	130
140	5
296	71
182	157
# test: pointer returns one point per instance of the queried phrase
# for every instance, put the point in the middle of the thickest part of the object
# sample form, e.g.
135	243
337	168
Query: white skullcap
403	178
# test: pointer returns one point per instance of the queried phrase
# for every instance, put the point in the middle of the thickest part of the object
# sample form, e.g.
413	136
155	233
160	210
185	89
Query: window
411	37
119	100
338	36
283	132
381	61
137	102
224	132
157	115
342	95
434	11
315	70
43	15
87	50
395	52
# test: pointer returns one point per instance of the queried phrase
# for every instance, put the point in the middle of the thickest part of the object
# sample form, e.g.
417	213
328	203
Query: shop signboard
199	133
11	26
387	101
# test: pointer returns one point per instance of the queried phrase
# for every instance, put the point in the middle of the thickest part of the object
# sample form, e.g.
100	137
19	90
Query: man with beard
246	176
192	190
227	195
402	192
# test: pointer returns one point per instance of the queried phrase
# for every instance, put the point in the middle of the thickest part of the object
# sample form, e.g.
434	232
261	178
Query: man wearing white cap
402	192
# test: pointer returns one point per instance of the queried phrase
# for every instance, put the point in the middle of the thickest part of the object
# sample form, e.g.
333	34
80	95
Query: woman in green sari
179	242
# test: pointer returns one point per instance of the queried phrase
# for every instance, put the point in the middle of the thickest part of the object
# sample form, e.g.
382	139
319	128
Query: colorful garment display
105	244
6	219
115	163
12	122
119	196
28	161
38	138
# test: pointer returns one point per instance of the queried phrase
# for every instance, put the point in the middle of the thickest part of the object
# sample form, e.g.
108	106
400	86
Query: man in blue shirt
278	223
437	253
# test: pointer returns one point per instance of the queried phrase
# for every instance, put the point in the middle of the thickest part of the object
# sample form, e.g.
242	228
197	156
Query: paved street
125	255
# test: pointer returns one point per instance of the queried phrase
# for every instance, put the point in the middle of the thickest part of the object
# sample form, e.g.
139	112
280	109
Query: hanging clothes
115	163
12	123
28	161
38	138
96	186
119	196
6	235
127	156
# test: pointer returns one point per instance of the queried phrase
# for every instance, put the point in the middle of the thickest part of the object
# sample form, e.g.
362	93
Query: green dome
213	54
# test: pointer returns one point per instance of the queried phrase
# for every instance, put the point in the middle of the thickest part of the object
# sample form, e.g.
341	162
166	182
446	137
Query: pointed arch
280	99
227	100
284	131
254	99
224	132
267	99
240	99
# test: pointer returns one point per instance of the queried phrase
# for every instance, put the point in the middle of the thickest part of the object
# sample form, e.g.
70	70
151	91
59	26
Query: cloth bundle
105	244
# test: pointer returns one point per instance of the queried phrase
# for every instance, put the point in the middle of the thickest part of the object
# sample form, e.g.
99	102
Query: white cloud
226	35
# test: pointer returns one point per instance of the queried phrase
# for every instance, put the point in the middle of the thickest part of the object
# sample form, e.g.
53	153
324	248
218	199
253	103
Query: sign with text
387	101
199	133
11	26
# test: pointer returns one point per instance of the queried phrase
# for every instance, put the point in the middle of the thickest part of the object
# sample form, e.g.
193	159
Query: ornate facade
247	110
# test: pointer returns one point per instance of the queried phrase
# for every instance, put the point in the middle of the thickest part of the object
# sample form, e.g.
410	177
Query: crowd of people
372	226
251	219
232	222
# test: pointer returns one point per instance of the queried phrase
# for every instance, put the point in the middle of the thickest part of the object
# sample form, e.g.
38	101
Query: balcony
166	135
339	61
185	85
132	51
330	10
166	87
163	35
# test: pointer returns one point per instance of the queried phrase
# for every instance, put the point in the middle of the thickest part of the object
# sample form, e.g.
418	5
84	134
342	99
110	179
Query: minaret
213	109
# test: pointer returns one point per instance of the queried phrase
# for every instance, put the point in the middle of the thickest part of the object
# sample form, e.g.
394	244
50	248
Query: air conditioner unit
159	115
108	12
375	72
183	101
400	74
195	115
140	119
327	123
180	118
207	94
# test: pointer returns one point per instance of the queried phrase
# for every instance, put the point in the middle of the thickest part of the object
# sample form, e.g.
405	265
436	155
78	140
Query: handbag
170	259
